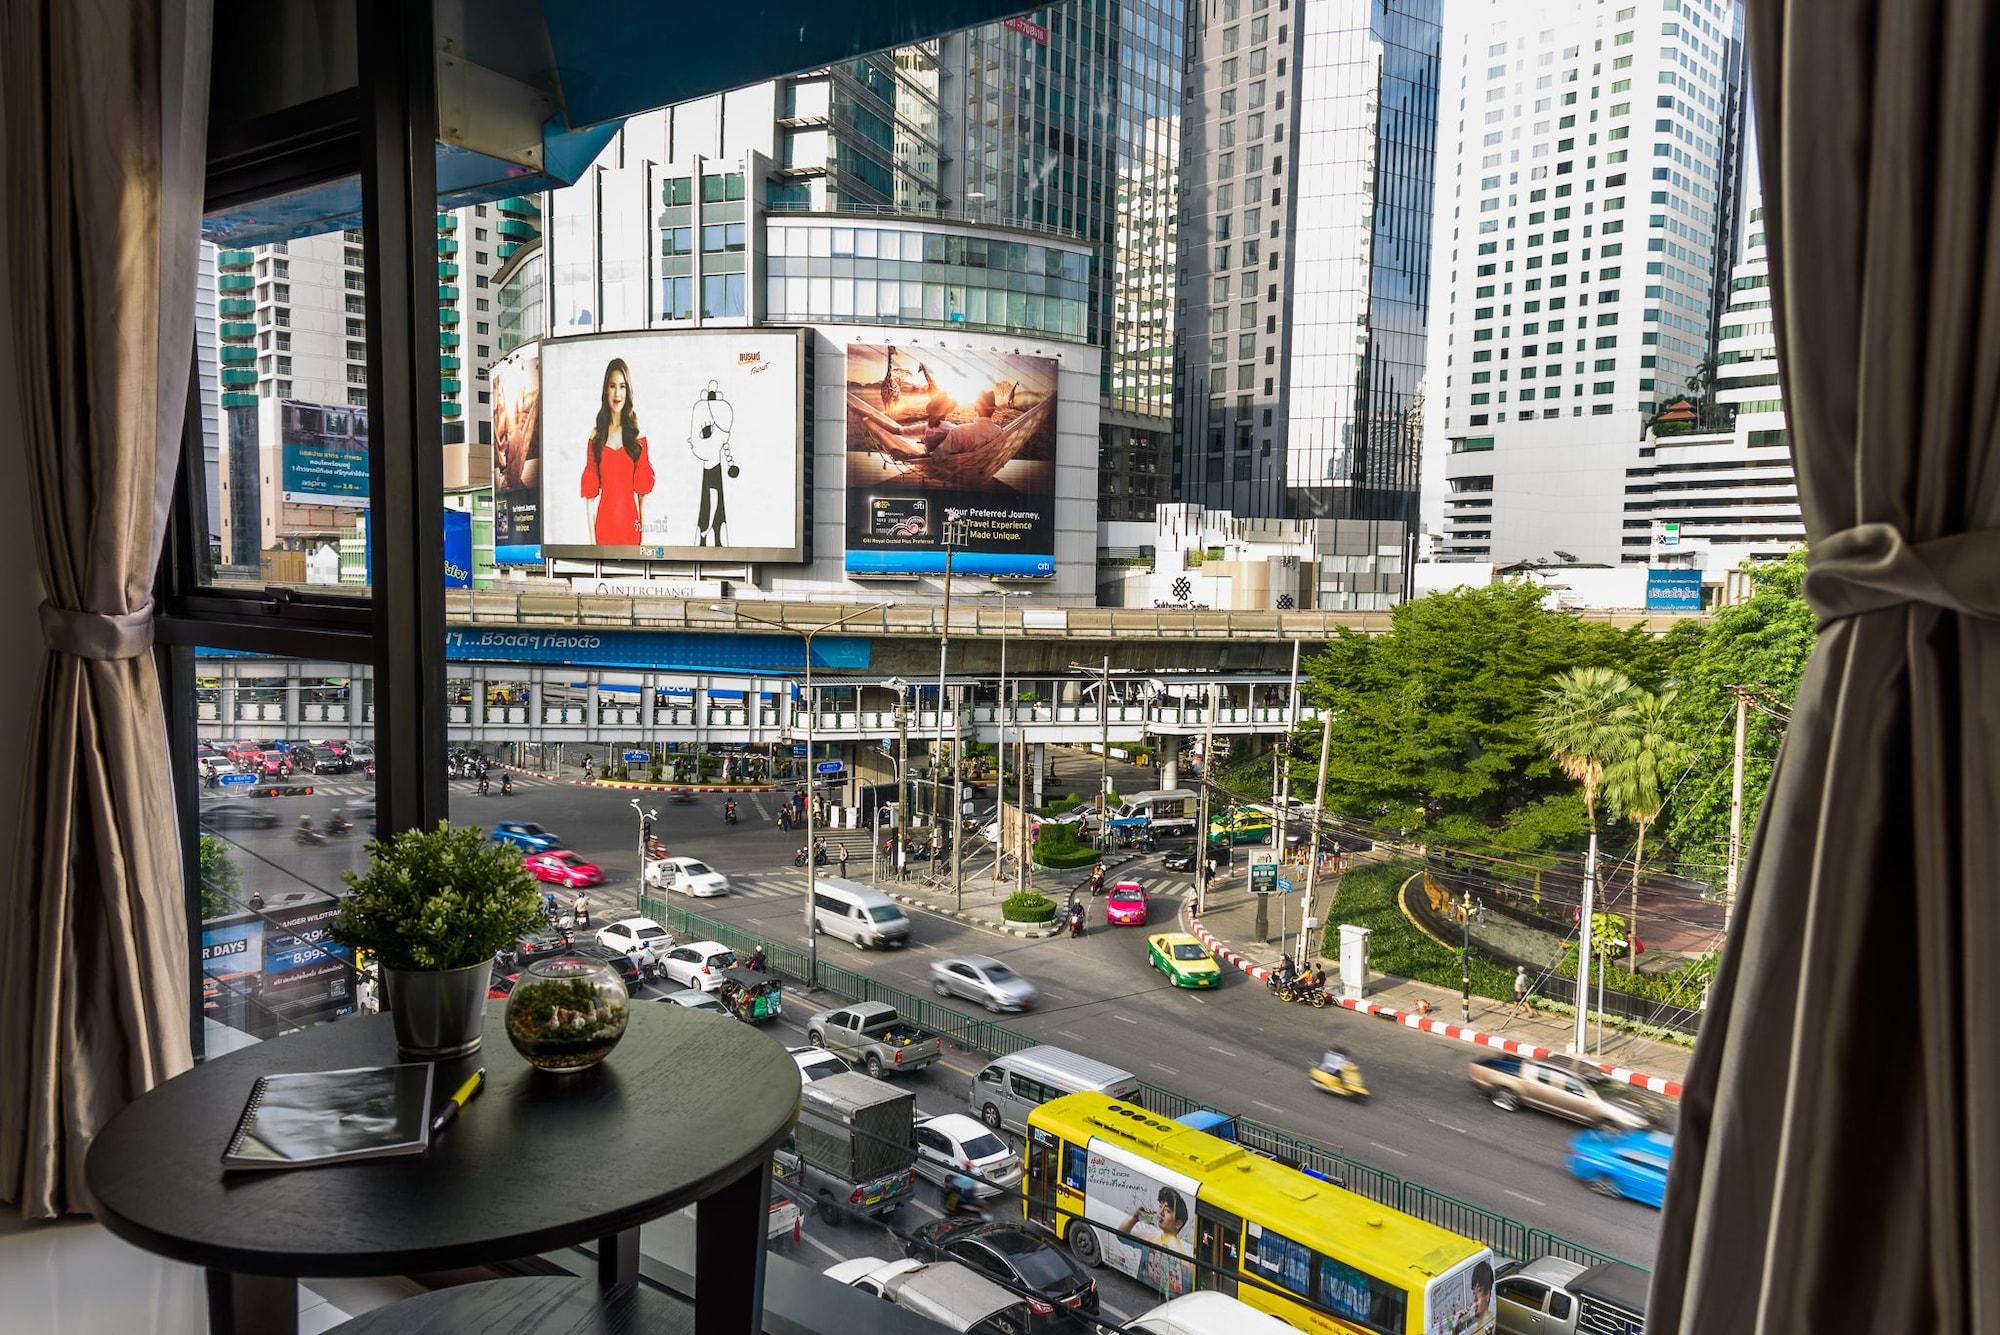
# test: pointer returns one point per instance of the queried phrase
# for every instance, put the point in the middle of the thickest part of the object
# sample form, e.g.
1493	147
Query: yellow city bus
1179	1209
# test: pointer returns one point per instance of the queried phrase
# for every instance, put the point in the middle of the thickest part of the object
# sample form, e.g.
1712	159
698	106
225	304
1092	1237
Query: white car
818	1063
694	999
690	876
697	964
956	1143
1206	1313
644	933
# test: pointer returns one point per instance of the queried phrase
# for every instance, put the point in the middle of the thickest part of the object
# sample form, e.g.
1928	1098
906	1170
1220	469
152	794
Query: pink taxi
1125	906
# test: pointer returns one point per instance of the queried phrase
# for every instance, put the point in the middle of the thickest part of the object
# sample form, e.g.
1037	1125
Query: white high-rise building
1593	213
1717	498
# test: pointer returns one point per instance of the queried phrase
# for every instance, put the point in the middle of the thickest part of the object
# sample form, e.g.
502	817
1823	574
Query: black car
539	946
1026	1258
1180	859
590	950
237	816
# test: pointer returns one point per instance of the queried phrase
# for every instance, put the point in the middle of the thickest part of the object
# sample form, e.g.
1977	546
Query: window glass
1075	1166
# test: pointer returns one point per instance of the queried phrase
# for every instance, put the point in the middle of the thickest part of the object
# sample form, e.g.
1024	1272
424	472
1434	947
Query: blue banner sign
238	781
1676	590
661	650
830	767
637	757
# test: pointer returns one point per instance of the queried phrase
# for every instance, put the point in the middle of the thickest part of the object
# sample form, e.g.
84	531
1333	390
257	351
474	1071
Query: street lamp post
1467	906
953	530
1000	747
812	709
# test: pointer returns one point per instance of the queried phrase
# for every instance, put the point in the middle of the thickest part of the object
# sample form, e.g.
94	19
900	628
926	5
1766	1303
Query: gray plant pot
438	1013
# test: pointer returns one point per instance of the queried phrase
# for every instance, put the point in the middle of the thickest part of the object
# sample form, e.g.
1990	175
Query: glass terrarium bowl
567	1013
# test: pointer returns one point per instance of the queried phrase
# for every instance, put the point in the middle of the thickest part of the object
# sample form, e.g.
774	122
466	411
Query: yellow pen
473	1084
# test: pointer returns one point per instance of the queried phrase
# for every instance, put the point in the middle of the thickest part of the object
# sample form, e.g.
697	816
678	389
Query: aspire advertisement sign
939	434
517	457
673	446
323	454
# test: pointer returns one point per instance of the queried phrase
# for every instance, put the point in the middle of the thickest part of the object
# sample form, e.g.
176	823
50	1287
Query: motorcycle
1075	920
962	1199
729	814
818	857
309	838
339	825
506	784
655	850
1336	1075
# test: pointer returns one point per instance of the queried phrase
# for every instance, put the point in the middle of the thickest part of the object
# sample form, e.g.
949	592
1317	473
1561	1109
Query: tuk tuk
751	996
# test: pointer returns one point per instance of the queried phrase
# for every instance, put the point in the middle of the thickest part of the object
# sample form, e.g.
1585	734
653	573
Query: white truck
1168	811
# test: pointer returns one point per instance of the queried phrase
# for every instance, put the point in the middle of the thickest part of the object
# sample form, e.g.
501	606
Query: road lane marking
1168	1069
1390	1148
1266	1106
1066	1033
1124	1020
1448	1126
1529	1199
1224	1051
804	1236
930	1210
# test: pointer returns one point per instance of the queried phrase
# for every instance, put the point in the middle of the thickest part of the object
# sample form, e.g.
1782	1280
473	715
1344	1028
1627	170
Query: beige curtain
106	122
1837	1168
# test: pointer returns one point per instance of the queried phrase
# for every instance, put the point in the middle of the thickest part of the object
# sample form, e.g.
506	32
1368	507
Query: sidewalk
1229	927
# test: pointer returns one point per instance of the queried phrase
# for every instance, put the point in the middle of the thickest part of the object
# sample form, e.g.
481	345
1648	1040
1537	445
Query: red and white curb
1443	1028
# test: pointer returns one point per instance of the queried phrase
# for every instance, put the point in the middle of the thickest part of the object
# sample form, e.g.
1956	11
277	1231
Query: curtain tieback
101	635
1872	567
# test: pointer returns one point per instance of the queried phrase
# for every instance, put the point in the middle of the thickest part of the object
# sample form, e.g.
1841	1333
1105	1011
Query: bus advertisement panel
1143	1201
1460	1302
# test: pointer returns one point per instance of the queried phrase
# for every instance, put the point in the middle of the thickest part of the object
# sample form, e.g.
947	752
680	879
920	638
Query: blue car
527	836
1632	1164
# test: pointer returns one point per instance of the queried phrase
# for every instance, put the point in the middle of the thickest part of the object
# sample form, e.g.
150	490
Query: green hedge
1368	899
1062	806
1056	847
1028	906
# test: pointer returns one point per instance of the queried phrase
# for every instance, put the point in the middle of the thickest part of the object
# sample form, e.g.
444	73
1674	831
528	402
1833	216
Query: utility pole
1281	789
1201	828
1319	805
1735	811
1583	945
951	535
904	789
1022	843
1104	784
957	802
1465	961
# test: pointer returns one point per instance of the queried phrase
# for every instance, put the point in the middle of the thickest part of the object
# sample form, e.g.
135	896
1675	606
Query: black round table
686	1111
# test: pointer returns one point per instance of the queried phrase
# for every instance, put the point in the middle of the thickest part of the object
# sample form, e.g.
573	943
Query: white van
953	1295
859	914
1012	1086
1207	1313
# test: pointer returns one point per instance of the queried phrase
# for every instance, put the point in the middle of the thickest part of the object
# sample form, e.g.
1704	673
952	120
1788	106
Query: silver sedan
983	979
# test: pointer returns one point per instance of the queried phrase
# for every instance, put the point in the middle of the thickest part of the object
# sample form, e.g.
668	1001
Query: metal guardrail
1507	1236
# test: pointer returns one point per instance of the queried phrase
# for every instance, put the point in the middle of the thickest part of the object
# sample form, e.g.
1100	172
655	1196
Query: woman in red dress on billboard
618	478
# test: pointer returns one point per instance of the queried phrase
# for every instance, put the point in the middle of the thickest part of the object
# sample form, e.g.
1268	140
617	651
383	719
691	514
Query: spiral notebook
327	1117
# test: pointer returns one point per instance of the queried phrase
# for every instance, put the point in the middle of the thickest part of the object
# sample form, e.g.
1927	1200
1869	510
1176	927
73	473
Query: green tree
1585	719
1762	642
1434	719
221	881
1648	760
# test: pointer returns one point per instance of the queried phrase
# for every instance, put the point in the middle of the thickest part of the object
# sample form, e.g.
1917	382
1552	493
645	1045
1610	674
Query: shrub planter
1028	909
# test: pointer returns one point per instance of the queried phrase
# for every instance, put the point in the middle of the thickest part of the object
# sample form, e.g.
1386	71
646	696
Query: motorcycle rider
757	961
482	784
506	784
1076	918
1097	875
729	811
582	910
338	823
961	1196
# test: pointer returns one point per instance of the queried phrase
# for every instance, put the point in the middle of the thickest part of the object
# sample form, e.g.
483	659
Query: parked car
956	1143
1023	1257
590	950
694	999
688	876
625	933
818	1064
563	867
1126	905
526	836
237	816
983	979
1553	1296
698	964
872	1033
1632	1164
1569	1088
1185	961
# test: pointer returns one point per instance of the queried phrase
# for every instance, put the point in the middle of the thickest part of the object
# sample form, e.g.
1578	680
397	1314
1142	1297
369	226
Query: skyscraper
1308	161
1593	212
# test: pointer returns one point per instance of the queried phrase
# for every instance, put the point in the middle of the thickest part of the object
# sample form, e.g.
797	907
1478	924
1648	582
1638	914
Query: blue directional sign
1284	886
239	781
798	750
828	767
637	757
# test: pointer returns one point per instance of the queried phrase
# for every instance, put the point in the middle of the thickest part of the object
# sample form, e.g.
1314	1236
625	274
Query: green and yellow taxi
1243	825
1185	961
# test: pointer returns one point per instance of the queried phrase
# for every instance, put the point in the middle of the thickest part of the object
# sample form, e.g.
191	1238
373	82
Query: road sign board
238	781
637	757
828	767
798	750
1284	886
1264	878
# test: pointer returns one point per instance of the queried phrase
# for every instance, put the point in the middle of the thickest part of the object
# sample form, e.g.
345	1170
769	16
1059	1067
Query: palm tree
1635	781
1583	719
1701	388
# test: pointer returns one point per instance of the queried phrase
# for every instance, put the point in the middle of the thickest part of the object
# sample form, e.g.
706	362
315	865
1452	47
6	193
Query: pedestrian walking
1523	1004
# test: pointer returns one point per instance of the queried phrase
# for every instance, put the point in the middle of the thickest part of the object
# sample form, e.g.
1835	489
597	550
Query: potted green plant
433	907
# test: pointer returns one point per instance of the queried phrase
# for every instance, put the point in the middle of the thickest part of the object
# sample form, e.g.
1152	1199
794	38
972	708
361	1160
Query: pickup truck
1568	1088
873	1036
1552	1296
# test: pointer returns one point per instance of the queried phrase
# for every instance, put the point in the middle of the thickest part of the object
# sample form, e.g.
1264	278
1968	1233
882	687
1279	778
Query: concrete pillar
294	694
225	702
1170	762
1037	767
535	719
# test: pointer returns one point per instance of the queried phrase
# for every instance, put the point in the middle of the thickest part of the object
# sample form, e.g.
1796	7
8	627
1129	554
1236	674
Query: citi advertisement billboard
940	433
672	446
